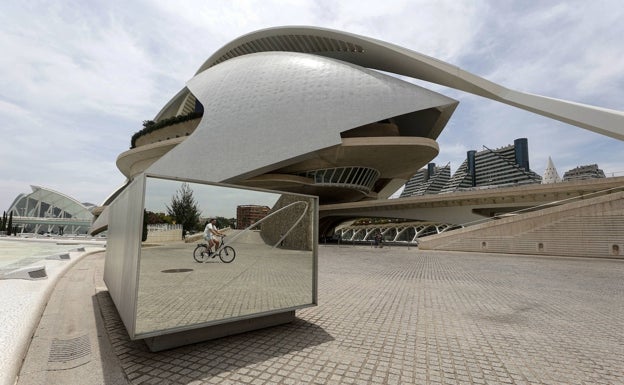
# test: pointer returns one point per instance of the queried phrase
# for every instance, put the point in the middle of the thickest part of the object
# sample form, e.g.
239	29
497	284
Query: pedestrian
378	239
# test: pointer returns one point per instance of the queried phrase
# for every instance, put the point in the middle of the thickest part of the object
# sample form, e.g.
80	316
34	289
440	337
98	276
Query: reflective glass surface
272	267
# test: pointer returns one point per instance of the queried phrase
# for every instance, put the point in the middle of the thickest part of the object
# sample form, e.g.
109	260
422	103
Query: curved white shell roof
372	53
30	204
269	109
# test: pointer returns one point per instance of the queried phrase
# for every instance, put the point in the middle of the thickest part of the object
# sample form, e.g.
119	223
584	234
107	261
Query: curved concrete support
468	207
136	160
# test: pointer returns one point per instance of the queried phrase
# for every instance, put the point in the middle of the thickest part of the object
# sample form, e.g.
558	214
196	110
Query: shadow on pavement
206	359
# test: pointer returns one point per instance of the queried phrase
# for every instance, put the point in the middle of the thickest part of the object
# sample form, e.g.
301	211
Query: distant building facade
504	166
507	165
429	180
247	215
590	171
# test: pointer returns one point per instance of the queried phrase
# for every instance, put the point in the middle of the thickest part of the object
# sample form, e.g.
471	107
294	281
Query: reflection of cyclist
211	234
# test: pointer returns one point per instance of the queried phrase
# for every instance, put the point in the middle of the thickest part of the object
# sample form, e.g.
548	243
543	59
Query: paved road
392	316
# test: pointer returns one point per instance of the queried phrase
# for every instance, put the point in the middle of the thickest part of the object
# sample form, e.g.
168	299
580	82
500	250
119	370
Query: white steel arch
392	232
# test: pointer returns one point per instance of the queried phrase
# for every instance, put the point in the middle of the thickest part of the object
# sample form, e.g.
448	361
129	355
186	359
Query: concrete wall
122	250
588	228
164	236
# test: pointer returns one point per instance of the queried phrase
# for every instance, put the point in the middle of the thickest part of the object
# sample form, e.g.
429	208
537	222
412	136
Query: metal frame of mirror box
166	298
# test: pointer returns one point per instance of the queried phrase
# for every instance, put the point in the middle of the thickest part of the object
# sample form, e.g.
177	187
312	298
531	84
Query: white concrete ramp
587	228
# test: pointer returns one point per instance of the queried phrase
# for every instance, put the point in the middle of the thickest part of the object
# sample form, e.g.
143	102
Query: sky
159	193
78	78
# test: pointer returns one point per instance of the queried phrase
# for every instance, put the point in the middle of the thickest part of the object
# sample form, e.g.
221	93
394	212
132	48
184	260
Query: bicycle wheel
227	254
200	253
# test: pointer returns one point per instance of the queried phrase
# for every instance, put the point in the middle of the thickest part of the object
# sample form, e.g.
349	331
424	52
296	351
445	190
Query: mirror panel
273	269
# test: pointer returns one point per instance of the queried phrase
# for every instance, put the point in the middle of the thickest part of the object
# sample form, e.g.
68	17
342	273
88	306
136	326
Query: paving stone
407	316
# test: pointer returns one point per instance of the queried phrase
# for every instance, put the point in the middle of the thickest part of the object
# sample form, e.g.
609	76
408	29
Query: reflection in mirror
271	233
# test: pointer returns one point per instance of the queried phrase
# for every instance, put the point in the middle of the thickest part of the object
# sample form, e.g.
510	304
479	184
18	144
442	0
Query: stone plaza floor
404	316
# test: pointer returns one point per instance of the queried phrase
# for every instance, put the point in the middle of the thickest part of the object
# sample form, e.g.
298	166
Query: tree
3	222
184	210
223	222
10	225
157	218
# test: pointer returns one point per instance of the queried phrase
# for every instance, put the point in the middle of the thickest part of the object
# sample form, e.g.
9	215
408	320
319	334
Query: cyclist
211	234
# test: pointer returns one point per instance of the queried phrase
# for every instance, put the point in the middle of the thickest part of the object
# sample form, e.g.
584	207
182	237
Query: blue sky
78	78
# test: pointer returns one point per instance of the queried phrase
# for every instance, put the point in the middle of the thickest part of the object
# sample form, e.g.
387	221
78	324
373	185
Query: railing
359	178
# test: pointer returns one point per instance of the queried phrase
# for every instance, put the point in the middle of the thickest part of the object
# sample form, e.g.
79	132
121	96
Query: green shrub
150	126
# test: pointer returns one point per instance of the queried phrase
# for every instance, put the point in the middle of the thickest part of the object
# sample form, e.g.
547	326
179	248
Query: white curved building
304	123
49	211
304	109
296	109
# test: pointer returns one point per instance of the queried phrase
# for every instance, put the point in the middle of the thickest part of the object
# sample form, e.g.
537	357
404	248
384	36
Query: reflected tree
157	218
184	209
223	222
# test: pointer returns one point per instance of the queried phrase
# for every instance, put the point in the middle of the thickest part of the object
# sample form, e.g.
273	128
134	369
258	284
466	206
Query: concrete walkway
22	302
386	316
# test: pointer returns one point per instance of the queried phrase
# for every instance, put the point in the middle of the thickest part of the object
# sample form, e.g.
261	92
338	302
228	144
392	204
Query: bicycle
202	253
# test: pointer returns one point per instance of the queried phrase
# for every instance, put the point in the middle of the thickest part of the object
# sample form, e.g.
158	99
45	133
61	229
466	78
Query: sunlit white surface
14	250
